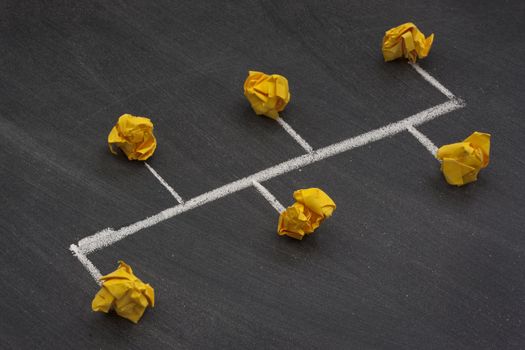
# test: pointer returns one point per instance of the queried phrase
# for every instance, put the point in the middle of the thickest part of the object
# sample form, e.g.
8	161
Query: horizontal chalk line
432	80
269	197
423	139
109	236
295	135
93	271
165	184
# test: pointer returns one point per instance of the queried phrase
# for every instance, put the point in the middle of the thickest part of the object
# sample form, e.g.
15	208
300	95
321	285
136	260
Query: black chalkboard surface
406	262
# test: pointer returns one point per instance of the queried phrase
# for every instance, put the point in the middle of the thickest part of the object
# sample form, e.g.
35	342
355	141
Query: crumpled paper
312	206
462	161
406	40
124	292
134	136
268	94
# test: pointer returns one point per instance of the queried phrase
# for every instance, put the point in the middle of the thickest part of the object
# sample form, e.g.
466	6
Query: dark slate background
407	262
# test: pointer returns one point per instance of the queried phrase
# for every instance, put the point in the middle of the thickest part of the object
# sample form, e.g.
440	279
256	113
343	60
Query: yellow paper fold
134	136
123	291
462	161
268	94
312	206
406	41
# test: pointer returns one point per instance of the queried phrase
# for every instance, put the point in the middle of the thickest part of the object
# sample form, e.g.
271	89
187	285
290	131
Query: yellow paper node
406	41
134	136
124	292
268	94
312	206
462	161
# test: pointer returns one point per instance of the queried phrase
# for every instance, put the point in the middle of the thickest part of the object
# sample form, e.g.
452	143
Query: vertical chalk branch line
302	142
164	183
109	236
269	197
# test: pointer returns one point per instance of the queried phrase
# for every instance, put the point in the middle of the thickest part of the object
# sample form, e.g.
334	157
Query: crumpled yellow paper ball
312	206
462	161
406	41
134	136
268	94
124	292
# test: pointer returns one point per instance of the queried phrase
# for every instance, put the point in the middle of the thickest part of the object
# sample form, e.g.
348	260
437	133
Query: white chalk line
269	197
108	236
302	142
432	81
165	184
92	269
423	139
